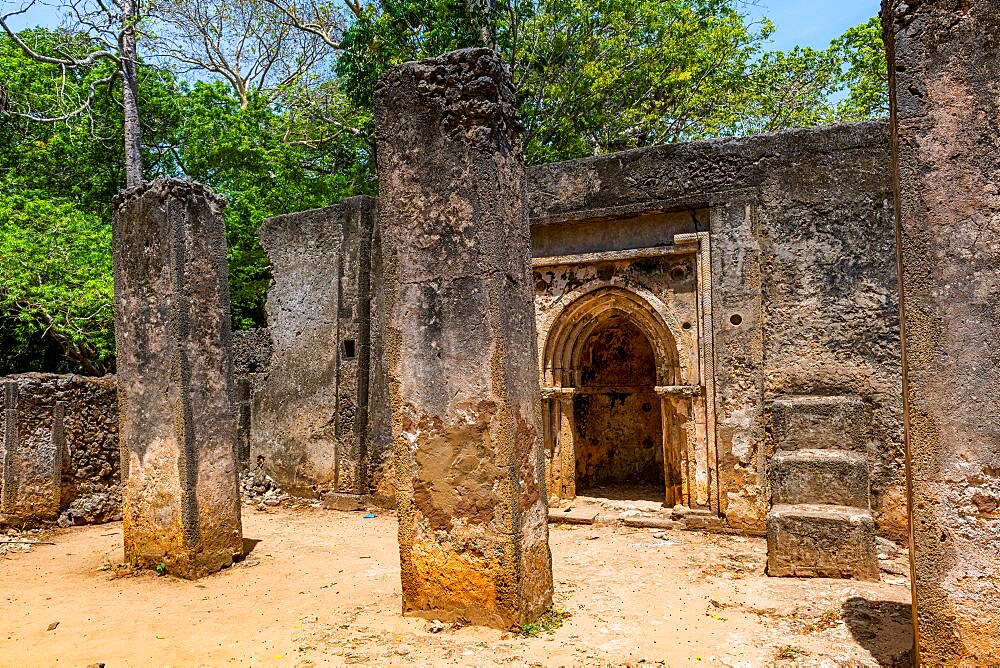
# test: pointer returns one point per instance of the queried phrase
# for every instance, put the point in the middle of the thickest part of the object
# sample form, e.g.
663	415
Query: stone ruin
716	324
459	343
61	462
180	496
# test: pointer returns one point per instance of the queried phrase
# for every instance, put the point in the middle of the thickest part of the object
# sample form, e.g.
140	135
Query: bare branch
250	44
65	61
79	111
319	24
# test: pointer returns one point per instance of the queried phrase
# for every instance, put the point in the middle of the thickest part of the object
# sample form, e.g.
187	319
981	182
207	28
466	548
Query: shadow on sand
884	628
248	545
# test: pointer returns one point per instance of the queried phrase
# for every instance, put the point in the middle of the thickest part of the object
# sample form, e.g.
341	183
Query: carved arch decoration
571	327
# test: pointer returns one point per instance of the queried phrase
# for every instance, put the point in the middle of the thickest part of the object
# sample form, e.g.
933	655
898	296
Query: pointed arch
561	356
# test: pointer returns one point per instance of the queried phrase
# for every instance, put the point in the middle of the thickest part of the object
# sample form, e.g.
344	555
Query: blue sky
812	22
806	23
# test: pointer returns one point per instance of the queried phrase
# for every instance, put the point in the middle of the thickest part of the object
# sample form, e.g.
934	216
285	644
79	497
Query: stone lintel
680	390
610	256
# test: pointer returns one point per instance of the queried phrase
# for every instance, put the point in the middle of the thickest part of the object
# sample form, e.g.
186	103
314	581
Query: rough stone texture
837	423
181	500
613	327
820	516
252	350
87	490
460	343
381	470
830	477
821	541
310	415
789	288
32	457
803	281
945	66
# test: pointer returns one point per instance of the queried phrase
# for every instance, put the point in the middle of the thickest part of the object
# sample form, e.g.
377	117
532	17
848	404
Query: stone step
820	422
821	541
574	515
346	502
835	477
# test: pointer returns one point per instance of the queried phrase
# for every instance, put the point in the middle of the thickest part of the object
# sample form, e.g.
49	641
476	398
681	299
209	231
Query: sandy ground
321	588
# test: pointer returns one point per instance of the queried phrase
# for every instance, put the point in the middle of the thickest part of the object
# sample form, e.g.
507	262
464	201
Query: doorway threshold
589	510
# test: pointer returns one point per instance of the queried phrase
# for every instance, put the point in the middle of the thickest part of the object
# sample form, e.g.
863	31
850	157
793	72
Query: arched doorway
617	414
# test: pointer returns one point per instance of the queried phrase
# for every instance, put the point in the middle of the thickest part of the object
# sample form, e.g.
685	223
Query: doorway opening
617	415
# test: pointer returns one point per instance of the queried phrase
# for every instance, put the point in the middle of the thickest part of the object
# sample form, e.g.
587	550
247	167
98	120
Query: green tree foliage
610	75
57	181
56	289
595	76
591	76
804	87
864	72
66	159
267	160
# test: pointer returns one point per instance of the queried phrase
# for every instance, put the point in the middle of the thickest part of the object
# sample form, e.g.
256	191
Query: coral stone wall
803	280
90	488
801	295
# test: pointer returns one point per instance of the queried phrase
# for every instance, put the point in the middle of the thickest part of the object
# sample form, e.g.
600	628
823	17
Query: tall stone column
945	82
460	343
181	500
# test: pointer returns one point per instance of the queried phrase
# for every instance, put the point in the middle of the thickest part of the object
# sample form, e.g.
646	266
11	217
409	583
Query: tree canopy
270	104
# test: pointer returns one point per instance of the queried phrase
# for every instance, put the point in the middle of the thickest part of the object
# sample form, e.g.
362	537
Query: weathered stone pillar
945	69
675	408
31	469
460	343
181	501
566	445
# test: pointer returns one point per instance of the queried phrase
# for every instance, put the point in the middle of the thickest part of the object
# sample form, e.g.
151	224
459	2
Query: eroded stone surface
181	501
820	522
820	476
459	343
86	489
944	63
821	541
803	296
817	422
310	414
33	445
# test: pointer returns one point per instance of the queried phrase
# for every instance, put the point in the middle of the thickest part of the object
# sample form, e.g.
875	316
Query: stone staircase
820	523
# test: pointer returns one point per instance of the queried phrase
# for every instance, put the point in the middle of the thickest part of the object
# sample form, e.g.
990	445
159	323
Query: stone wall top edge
343	207
841	135
40	375
468	54
701	173
165	186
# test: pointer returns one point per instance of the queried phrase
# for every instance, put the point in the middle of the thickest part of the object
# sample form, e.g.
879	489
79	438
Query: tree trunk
130	96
